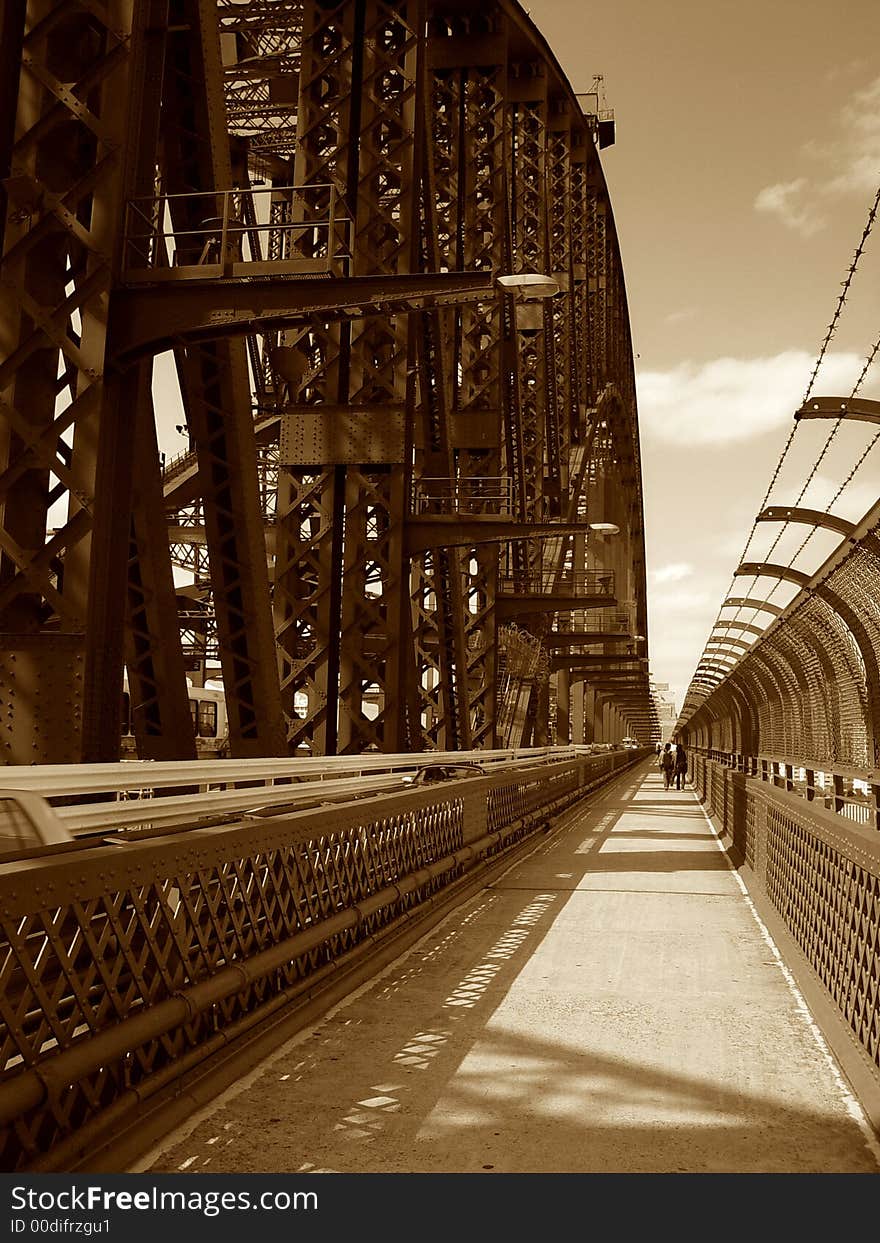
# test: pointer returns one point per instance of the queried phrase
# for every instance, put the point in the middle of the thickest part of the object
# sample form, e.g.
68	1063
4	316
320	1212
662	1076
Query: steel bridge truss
190	175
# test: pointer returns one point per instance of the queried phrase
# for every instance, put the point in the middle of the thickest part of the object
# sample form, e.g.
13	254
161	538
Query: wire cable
732	623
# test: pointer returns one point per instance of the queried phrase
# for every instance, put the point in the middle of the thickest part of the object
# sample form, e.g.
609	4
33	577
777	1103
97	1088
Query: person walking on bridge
667	765
681	766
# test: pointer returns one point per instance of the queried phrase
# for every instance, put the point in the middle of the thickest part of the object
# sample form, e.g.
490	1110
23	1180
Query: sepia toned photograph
439	606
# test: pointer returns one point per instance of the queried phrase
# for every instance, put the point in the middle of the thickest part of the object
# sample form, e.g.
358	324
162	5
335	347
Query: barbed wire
845	484
725	626
867	367
834	500
841	301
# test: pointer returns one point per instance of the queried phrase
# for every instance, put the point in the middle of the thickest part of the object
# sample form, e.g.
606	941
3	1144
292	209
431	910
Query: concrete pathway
612	1004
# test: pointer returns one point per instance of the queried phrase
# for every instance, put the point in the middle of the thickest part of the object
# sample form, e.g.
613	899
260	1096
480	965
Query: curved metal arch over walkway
812	680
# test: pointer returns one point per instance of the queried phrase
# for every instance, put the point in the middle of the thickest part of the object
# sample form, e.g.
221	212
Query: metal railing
275	231
806	693
844	791
819	871
135	967
57	782
229	788
567	583
605	621
492	495
178	463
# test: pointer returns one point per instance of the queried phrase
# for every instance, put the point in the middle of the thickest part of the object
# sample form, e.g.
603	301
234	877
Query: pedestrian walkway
611	1004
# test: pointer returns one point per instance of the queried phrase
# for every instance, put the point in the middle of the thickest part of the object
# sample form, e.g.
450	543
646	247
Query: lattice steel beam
455	150
196	157
82	143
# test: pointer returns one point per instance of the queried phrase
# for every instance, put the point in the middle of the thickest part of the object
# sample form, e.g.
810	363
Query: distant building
667	713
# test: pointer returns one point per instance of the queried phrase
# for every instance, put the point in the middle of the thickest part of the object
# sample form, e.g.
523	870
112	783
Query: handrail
482	494
834	785
56	781
549	582
212	233
190	810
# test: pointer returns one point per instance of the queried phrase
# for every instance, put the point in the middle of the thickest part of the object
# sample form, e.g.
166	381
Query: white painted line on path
853	1107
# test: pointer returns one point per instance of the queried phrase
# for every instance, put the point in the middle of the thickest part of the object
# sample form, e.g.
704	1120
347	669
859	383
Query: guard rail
815	876
128	970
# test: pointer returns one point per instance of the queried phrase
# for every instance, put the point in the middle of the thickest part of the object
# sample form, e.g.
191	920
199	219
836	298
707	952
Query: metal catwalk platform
613	1002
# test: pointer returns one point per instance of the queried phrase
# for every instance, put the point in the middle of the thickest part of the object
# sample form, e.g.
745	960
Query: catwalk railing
127	969
820	872
242	232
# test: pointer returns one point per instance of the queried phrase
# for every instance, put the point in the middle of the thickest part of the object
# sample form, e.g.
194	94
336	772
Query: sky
746	160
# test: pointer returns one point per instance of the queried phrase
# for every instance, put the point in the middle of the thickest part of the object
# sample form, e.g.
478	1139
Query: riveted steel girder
812	517
854	409
749	602
81	142
767	569
431	148
196	157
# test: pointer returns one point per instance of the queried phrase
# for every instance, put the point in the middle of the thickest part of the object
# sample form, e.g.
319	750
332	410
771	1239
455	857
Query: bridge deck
610	1004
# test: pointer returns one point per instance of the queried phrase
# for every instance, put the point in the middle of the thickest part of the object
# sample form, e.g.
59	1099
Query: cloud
729	400
848	70
850	162
682	612
861	146
672	573
680	317
785	199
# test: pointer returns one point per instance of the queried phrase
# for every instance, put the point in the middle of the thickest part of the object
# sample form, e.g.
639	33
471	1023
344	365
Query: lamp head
529	284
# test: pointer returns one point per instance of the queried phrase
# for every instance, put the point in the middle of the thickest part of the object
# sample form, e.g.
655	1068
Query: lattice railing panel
118	972
74	970
822	877
831	904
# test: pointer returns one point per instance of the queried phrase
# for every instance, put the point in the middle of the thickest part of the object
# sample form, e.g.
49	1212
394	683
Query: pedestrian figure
667	765
681	766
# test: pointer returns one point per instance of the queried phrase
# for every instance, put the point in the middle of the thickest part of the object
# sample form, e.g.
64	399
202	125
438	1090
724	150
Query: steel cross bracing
224	146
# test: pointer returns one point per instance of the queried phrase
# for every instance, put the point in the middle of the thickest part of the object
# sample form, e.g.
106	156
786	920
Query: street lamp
529	284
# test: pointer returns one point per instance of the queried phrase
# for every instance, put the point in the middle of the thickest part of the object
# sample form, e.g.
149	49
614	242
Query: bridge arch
350	369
